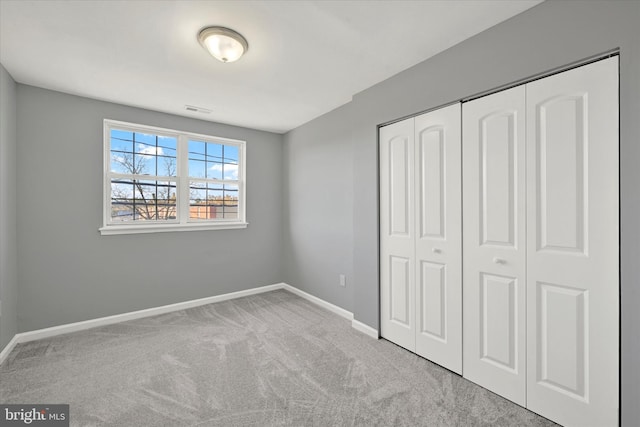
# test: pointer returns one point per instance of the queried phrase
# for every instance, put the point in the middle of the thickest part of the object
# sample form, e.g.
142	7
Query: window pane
214	152
154	155
196	150
134	200
121	150
121	140
143	154
213	161
214	170
212	201
231	154
230	171
230	162
197	168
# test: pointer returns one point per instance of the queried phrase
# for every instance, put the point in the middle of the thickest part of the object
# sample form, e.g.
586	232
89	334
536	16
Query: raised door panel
498	313
439	238
399	198
432	182
494	277
400	291
397	240
563	337
562	173
498	178
573	245
433	301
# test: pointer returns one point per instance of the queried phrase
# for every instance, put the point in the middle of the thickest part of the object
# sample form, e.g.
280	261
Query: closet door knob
499	260
436	250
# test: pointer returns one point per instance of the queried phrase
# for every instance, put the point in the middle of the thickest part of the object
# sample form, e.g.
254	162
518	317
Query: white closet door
494	247
397	235
438	259
572	299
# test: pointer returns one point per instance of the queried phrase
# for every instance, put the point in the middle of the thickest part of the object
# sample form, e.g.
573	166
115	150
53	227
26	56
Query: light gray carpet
272	359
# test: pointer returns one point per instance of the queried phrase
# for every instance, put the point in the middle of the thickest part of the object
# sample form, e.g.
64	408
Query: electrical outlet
343	280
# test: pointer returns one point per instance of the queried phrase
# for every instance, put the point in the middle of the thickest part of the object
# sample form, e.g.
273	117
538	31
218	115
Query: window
165	180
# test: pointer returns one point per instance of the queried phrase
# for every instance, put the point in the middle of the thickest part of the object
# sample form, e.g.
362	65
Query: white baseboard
133	315
8	348
359	326
322	303
365	329
110	320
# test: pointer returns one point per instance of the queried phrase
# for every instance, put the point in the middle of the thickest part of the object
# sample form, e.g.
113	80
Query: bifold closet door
397	235
573	245
494	244
420	235
439	237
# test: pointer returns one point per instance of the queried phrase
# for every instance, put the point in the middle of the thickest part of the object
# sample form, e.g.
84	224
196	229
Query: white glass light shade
223	44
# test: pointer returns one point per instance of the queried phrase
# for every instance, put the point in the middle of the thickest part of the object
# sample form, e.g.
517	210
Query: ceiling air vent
197	109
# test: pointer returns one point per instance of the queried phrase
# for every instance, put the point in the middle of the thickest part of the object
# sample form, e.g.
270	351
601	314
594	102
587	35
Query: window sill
163	228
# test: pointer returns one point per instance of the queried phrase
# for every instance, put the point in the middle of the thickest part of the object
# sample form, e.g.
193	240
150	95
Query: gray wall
68	272
318	209
547	36
8	242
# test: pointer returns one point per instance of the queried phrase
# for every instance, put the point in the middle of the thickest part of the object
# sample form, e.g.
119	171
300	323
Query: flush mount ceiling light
224	44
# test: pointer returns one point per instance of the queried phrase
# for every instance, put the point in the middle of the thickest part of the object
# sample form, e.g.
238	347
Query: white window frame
182	221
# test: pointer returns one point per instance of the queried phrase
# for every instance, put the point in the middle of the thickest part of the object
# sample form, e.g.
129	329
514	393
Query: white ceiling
305	58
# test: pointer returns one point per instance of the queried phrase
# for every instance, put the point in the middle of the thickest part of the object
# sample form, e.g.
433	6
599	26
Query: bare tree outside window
134	197
142	199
